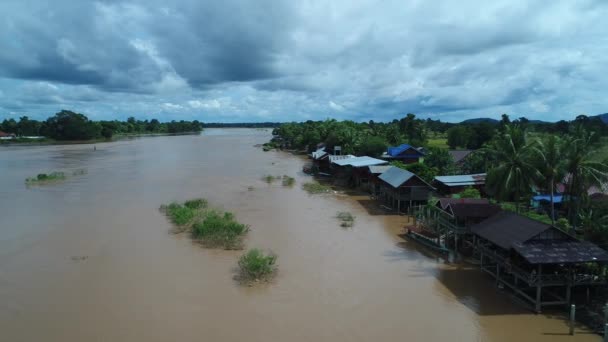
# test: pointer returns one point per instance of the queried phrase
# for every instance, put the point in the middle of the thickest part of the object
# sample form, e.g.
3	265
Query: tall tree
514	172
551	164
583	171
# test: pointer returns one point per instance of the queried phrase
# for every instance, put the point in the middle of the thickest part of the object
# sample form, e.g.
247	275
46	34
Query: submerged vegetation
213	228
316	188
218	229
56	176
255	265
270	178
45	178
346	219
288	181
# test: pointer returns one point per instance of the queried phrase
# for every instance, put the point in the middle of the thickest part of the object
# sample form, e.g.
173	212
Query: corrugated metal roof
459	155
359	161
319	153
547	198
461	180
377	169
396	176
397	150
333	158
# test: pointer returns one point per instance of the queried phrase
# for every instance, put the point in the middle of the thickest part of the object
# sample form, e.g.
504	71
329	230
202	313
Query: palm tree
514	171
583	171
551	165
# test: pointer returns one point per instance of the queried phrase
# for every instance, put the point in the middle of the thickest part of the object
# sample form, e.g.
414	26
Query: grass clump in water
198	203
256	265
219	230
79	172
213	228
316	188
288	181
180	215
45	178
269	179
346	219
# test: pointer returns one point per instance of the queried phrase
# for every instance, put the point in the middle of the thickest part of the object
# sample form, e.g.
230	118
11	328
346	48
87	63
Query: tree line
521	158
68	125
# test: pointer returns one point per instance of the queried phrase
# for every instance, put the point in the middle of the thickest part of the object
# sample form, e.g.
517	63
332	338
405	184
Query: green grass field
438	142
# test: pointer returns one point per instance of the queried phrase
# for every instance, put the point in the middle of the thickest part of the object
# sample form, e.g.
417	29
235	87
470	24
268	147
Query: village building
7	136
374	172
459	156
401	189
538	262
353	170
448	185
404	153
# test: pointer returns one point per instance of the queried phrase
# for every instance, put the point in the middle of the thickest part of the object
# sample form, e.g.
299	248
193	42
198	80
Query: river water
91	258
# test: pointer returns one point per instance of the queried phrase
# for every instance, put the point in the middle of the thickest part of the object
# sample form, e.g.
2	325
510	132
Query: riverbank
118	137
97	255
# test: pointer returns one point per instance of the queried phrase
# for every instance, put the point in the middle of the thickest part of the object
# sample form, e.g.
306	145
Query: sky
272	60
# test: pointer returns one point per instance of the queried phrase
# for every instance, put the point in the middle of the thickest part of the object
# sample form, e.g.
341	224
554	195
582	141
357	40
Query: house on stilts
541	264
401	189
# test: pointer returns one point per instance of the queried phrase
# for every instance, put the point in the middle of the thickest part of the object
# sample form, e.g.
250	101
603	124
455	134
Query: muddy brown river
91	258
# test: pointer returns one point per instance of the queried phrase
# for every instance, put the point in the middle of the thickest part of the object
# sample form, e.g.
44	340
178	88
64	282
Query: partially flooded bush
43	177
269	179
288	181
346	219
198	203
316	188
179	214
256	265
219	230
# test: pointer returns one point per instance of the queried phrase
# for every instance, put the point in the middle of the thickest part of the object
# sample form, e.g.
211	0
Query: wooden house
448	185
401	189
404	153
538	262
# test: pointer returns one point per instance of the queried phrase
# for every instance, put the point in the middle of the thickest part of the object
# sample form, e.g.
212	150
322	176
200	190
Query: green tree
67	125
514	171
470	192
458	136
440	159
372	146
551	164
583	171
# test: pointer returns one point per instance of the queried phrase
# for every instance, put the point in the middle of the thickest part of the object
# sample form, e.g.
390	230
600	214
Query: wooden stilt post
572	317
606	332
539	288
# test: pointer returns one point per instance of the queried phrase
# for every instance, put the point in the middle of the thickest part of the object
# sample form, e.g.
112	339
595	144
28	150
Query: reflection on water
90	259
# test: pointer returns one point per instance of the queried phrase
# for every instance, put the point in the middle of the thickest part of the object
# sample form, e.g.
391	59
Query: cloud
239	60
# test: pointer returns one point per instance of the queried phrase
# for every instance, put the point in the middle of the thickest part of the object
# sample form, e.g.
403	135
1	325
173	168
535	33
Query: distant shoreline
118	137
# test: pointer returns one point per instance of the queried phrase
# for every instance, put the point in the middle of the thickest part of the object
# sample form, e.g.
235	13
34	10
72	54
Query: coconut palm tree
583	171
551	164
513	172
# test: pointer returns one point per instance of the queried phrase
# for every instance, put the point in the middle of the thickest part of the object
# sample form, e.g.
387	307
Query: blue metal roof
556	198
395	151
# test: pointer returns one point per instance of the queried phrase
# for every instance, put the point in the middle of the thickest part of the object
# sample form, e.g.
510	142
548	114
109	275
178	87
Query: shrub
198	203
43	177
220	230
470	192
288	181
268	179
179	214
316	188
256	265
347	219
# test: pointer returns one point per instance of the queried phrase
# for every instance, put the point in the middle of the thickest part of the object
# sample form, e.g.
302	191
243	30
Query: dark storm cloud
296	60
